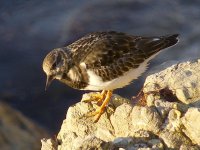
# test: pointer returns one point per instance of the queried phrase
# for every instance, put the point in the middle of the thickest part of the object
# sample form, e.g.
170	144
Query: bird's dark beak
50	78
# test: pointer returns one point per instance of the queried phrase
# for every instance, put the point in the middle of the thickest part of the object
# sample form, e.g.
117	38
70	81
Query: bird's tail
152	45
170	39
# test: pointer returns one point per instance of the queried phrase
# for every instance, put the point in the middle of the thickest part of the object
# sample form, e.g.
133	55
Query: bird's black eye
58	62
58	59
54	65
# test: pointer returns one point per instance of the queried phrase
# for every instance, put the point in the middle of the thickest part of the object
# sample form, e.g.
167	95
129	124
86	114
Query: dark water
30	29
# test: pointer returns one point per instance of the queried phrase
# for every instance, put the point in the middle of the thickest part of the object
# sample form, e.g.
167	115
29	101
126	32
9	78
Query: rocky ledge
166	116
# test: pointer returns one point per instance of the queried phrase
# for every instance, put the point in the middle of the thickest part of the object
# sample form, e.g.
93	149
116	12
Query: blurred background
30	29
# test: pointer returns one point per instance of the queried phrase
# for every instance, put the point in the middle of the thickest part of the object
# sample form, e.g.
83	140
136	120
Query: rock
168	121
122	142
89	142
173	139
129	143
189	147
146	118
48	144
191	122
174	121
156	144
123	127
17	132
181	79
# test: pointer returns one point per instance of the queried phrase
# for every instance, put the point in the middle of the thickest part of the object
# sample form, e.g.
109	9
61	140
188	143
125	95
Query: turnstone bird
103	61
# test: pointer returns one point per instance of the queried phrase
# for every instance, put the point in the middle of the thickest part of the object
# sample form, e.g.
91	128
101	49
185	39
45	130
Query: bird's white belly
96	83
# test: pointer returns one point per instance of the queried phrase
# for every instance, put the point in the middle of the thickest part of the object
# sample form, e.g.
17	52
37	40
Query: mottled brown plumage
110	54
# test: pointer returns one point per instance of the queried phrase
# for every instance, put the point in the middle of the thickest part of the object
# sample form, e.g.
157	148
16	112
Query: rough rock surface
17	132
169	120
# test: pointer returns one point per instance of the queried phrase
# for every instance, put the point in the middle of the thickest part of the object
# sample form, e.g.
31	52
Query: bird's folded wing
104	49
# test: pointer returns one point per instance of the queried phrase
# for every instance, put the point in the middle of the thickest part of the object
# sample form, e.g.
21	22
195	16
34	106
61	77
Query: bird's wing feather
105	49
102	48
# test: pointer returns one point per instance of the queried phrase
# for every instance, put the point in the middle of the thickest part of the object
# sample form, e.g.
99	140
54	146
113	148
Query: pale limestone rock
165	123
122	142
189	147
156	144
143	134
81	125
174	139
67	137
174	121
163	107
146	118
121	121
104	134
191	122
172	134
182	79
129	143
126	127
49	144
89	142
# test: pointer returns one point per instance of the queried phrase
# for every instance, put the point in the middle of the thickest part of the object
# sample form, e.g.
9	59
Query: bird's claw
96	113
97	97
105	98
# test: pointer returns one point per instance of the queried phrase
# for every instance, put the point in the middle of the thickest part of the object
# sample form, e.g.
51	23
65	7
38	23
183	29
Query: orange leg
99	97
101	110
103	95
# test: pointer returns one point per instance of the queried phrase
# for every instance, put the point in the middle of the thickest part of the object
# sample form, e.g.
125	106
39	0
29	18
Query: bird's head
55	64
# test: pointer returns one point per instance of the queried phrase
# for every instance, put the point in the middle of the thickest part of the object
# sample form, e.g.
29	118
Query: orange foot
103	99
98	97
